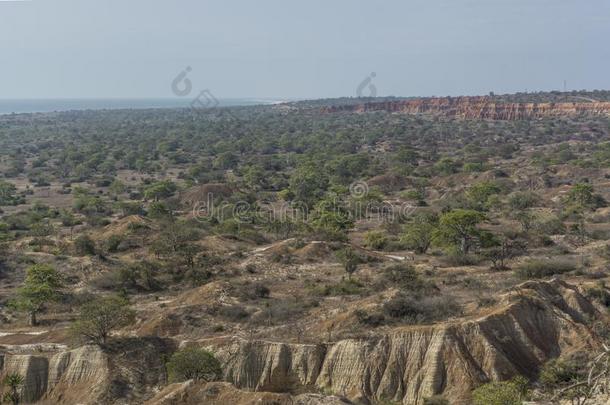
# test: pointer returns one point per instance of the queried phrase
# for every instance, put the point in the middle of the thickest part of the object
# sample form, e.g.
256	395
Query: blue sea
52	105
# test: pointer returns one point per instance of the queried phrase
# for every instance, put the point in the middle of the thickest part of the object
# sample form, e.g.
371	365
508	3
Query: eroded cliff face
122	372
478	108
74	376
539	321
535	322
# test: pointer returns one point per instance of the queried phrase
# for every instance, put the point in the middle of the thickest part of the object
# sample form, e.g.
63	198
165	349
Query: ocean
51	105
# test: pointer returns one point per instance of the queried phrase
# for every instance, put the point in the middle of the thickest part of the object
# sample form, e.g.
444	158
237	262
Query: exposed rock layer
539	322
478	108
536	322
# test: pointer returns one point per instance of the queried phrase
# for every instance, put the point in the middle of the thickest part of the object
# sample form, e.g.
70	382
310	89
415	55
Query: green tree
8	194
308	183
159	190
419	234
42	285
458	228
478	195
101	316
193	364
582	195
332	220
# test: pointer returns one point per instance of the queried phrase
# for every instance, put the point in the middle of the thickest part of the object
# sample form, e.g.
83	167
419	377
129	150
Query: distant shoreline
25	106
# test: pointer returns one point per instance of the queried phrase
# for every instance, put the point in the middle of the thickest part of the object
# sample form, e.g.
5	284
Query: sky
306	49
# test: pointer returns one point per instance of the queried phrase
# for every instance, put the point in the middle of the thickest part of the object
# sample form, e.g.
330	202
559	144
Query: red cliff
478	108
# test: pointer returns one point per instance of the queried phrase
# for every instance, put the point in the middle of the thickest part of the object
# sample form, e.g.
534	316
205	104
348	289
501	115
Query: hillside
415	251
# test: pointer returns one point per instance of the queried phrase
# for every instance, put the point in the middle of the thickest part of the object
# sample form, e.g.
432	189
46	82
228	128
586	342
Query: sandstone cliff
535	322
539	321
120	373
75	376
478	108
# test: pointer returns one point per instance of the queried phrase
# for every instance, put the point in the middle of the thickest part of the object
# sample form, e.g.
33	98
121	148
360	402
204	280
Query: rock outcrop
125	371
478	108
532	324
75	376
537	322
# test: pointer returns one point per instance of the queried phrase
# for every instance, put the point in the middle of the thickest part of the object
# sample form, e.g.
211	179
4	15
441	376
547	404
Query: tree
42	285
308	183
582	195
160	189
8	194
332	220
504	250
418	235
193	364
84	246
101	316
350	261
13	381
478	195
458	228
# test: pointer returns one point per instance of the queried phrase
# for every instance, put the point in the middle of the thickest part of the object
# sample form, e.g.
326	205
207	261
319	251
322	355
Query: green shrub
436	400
344	287
375	240
405	277
501	393
193	364
539	268
599	293
84	245
424	309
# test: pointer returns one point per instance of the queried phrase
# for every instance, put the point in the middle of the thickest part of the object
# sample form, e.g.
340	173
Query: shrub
375	240
538	268
436	400
193	364
367	319
113	243
84	245
344	287
234	313
600	294
421	309
405	277
501	393
456	259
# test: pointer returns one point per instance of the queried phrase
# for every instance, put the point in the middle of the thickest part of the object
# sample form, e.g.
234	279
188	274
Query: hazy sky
306	49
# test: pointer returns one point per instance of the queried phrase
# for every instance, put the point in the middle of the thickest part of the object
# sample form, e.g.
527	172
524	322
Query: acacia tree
102	315
458	228
42	285
419	234
193	364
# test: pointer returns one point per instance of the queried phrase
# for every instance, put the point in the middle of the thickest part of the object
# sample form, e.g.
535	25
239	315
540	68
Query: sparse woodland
285	225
